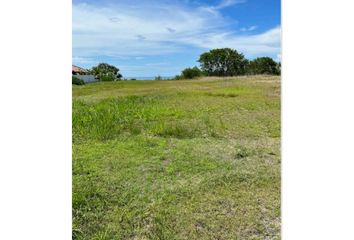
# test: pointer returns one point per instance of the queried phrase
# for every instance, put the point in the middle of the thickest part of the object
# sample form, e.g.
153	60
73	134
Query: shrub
77	81
107	77
263	65
190	73
178	77
158	77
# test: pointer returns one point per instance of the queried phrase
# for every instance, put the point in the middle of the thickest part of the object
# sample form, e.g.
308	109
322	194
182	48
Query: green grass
190	159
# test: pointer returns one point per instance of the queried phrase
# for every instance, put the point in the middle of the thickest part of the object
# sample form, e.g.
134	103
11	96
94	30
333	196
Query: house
83	74
79	71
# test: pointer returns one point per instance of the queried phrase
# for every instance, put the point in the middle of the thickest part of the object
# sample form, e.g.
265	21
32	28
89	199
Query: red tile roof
78	69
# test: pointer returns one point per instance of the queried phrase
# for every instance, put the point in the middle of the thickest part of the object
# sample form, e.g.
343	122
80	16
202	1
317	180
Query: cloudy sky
145	38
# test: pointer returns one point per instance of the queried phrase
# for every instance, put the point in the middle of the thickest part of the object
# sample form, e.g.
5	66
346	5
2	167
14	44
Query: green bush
77	81
107	77
158	77
178	77
190	73
263	65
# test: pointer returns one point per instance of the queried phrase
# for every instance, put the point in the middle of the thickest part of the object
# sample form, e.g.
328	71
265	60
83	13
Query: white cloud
221	5
249	29
82	60
138	30
228	3
264	43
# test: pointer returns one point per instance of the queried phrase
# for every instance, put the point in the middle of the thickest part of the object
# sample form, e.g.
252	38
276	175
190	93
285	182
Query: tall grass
112	117
195	159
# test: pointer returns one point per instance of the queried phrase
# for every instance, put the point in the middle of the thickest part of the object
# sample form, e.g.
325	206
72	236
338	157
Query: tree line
225	62
221	62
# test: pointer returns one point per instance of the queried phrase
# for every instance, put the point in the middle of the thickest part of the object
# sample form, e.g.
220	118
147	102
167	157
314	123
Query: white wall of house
86	78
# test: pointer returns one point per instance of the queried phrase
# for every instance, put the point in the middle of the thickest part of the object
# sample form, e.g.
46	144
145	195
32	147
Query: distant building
83	74
79	71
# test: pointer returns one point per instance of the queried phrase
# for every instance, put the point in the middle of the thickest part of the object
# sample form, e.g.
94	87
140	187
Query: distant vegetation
77	81
190	73
223	62
158	77
220	62
226	62
106	73
263	65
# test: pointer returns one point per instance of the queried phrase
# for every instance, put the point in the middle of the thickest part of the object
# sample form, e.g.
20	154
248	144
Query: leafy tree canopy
223	62
106	72
263	65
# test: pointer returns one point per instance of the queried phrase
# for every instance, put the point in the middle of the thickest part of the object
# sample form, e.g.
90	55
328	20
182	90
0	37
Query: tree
158	77
106	72
178	77
263	65
190	73
223	62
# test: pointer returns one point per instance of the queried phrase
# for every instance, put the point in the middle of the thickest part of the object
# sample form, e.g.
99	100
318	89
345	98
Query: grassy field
191	159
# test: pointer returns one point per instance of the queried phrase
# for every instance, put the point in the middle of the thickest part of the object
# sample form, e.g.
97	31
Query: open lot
188	159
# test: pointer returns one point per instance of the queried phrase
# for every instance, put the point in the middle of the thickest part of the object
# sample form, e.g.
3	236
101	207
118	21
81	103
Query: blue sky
161	37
